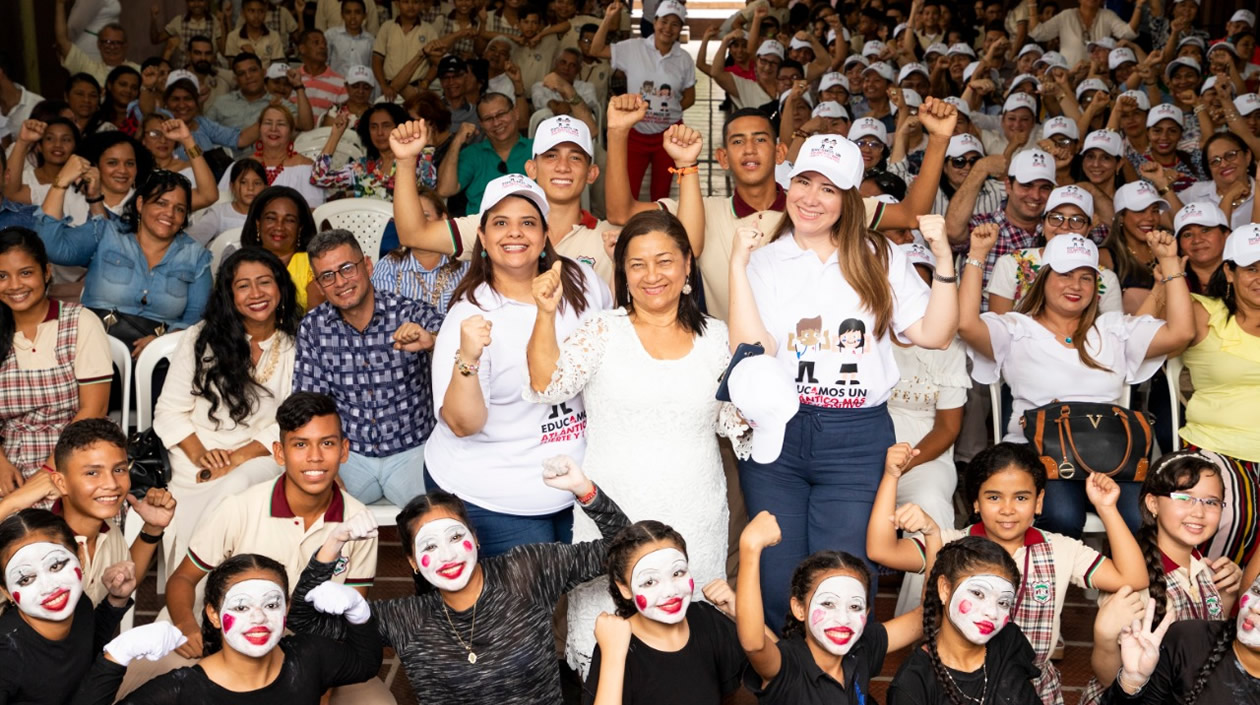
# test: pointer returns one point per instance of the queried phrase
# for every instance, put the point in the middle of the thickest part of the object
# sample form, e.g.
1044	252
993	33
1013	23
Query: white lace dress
651	444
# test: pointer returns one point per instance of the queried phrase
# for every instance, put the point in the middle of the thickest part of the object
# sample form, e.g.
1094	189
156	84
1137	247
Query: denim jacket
119	277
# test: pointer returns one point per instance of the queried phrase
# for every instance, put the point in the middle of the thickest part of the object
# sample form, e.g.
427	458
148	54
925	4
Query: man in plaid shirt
368	350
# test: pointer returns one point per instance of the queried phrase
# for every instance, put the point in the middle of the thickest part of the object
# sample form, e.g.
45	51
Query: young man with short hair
350	43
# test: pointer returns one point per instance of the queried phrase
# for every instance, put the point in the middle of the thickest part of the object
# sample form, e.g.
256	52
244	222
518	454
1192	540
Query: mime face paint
45	580
837	613
661	585
252	617
446	553
1249	617
981	606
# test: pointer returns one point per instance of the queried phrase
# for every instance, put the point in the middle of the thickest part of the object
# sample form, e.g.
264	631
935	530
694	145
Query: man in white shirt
111	41
562	93
15	102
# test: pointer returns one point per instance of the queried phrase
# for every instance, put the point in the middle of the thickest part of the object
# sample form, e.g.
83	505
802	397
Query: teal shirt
479	164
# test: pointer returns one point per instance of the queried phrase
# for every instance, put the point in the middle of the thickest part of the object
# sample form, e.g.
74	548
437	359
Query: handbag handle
1065	429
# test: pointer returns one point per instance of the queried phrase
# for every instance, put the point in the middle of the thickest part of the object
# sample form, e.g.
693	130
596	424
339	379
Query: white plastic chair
365	217
385	513
220	244
121	356
1172	370
310	144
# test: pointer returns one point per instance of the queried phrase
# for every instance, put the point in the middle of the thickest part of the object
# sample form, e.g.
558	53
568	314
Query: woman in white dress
274	150
231	371
647	371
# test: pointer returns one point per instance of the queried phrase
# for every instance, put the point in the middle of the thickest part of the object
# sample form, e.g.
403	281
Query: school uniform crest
1213	603
341	565
1041	592
589	261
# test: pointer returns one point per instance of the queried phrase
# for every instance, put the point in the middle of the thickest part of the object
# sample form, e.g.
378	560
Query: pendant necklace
472	656
984	691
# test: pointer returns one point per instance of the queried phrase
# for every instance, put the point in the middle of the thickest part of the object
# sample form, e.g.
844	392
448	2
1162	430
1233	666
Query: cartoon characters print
829	362
851	345
810	338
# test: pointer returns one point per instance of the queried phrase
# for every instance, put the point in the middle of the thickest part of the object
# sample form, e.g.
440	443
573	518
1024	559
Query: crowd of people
946	226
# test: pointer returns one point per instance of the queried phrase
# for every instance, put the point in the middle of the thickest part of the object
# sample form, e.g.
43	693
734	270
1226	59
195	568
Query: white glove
335	598
358	527
149	642
563	473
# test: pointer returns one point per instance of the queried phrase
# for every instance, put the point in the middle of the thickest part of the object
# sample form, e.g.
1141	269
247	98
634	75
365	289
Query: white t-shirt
749	94
824	334
1039	370
1206	191
660	79
500	467
1005	281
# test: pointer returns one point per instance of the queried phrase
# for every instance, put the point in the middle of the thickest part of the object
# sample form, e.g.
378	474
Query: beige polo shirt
584	242
259	520
78	62
269	47
111	548
398	47
92	362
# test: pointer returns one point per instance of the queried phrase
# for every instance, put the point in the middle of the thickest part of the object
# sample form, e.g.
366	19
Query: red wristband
589	496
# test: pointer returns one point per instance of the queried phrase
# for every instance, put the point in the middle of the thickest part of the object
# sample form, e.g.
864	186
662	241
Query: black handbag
1075	439
128	327
150	463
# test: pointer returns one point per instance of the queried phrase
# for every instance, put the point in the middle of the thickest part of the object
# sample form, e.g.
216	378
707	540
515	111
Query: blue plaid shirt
384	396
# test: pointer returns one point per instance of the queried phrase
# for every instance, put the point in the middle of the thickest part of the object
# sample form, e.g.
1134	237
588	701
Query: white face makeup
981	606
837	613
661	584
252	617
1249	617
45	580
446	553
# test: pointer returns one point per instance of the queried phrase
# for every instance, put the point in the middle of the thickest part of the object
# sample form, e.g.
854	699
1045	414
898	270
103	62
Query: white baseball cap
1015	101
1244	16
1061	125
971	68
883	70
910	68
1053	59
1065	253
964	144
935	48
798	43
831	79
868	127
830	109
1071	195
1090	84
809	99
1022	79
1031	48
1139	97
671	7
278	69
1165	111
1192	39
360	74
560	129
1102	43
1108	141
182	75
1208	84
960	48
771	46
1204	213
1242	247
1247	103
873	48
1182	61
855	59
918	254
1223	45
765	395
834	157
899	29
513	185
1138	196
960	104
1119	57
1031	165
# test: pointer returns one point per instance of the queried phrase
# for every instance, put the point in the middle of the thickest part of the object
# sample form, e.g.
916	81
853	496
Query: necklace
984	689
273	357
1149	264
433	295
273	172
472	655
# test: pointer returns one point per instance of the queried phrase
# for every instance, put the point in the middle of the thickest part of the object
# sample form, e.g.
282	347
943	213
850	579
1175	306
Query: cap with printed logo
974	66
961	48
181	75
1244	16
830	109
1031	165
868	127
910	96
1071	195
360	74
766	397
1204	213
451	64
771	46
1065	253
277	70
798	43
1061	125
1242	247
855	59
1119	57
1052	59
964	144
1015	101
1107	43
834	157
911	68
938	48
1247	103
960	105
560	129
883	70
1108	141
1138	196
671	7
1182	61
873	48
513	185
1031	49
918	254
831	79
1139	97
1090	84
1022	79
1165	111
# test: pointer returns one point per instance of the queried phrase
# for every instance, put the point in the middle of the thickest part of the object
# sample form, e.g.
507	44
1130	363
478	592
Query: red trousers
645	150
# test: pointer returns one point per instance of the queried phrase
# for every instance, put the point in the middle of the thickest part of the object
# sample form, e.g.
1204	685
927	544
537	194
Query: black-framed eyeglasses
348	271
497	116
963	162
1076	223
1229	156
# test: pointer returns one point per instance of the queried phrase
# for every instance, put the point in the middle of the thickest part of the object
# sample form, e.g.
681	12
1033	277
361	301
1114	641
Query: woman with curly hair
281	223
228	376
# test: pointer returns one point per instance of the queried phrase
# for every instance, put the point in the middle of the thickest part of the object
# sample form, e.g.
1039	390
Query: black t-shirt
802	682
37	671
1185	648
700	673
1008	663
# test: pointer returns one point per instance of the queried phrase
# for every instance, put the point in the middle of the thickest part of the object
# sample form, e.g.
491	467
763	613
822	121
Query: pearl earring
686	289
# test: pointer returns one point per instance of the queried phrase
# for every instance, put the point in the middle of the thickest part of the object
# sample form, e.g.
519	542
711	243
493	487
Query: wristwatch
576	99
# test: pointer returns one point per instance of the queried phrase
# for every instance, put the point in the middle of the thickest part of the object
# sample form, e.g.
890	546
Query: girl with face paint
480	629
826	627
971	652
684	650
49	631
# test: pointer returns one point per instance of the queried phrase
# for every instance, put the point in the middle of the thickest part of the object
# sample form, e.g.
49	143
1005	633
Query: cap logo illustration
1253	240
826	149
1078	247
1038	159
513	180
564	126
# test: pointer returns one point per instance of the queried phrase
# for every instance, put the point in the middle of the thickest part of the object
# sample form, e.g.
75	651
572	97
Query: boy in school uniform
254	36
350	44
534	51
398	54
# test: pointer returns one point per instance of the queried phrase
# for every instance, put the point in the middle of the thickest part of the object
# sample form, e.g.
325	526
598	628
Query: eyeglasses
870	144
1187	501
1074	222
1229	156
155	134
112	42
348	271
962	162
1062	141
496	117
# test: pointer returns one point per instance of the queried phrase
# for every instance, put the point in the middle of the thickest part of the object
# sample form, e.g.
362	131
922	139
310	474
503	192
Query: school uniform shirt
1007	673
346	50
1186	579
801	682
518	435
328	17
597	73
584	242
92	361
661	79
1039	370
535	62
399	46
111	548
39	671
259	520
269	47
705	670
824	333
1182	653
185	27
749	93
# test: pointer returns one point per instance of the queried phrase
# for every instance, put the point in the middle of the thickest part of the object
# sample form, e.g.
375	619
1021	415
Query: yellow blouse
301	273
1225	369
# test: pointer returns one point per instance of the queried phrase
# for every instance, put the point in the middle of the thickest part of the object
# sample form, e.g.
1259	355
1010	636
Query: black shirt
1186	647
1008	663
707	668
38	671
802	682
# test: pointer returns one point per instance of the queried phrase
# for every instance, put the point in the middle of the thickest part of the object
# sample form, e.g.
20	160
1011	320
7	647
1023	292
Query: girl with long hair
228	376
1139	211
246	179
281	222
54	143
1098	168
122	86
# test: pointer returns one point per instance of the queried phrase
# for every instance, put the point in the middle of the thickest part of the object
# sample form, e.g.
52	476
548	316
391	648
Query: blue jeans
1064	508
820	489
398	478
498	533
